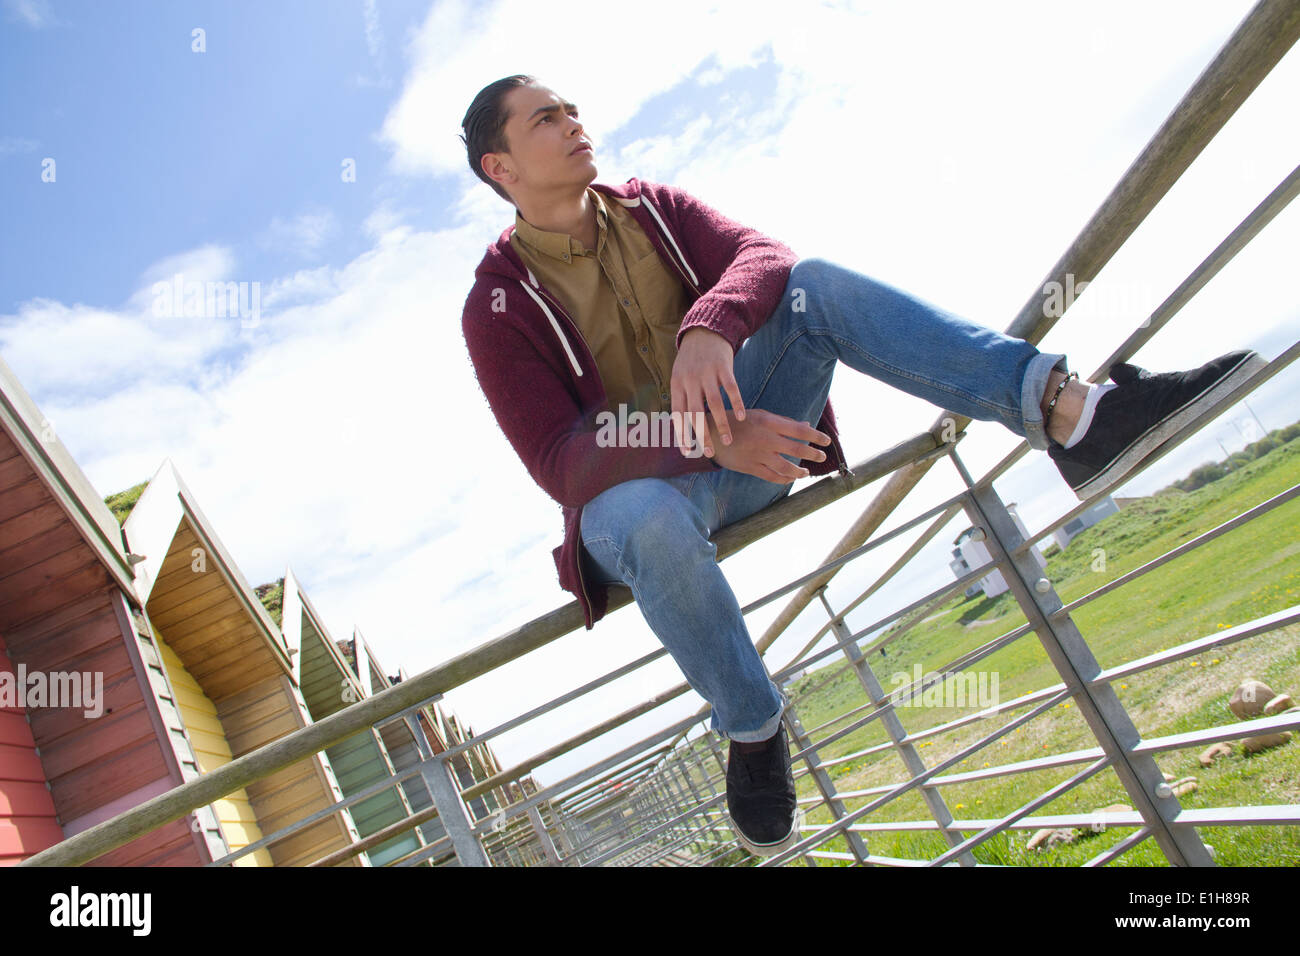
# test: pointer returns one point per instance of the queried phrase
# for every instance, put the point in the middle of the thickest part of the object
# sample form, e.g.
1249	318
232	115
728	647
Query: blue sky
951	149
160	147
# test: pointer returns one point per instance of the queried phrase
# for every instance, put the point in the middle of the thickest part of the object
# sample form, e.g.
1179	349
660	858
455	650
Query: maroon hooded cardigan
540	378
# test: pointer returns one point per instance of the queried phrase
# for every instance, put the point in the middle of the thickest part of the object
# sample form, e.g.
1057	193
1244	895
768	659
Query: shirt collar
559	245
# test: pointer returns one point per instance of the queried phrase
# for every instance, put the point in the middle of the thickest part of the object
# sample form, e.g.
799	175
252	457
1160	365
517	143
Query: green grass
1244	574
122	502
272	597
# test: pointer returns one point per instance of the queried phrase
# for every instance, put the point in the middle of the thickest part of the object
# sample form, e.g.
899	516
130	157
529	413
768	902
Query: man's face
547	149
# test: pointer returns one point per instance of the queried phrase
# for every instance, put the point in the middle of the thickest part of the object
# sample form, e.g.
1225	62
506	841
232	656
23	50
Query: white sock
1095	392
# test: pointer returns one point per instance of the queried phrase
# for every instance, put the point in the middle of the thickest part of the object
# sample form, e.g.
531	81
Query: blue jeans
652	534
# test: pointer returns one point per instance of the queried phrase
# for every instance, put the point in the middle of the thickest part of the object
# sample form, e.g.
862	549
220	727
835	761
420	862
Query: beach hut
223	667
329	675
83	733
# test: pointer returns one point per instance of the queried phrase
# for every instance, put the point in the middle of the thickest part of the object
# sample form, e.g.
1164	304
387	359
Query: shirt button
627	301
645	348
664	396
565	257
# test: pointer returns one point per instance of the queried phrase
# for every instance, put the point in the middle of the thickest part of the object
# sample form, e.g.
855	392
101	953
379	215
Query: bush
1202	476
1264	446
122	502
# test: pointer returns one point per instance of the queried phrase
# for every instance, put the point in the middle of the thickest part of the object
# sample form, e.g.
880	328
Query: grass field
1242	575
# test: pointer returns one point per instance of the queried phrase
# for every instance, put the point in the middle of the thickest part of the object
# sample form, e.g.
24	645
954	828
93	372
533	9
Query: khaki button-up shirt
625	300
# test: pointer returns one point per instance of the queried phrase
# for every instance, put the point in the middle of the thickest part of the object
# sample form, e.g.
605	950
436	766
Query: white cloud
90	352
34	13
463	46
386	223
304	235
374	34
374	47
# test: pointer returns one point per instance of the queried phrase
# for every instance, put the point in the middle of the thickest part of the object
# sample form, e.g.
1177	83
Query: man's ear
498	169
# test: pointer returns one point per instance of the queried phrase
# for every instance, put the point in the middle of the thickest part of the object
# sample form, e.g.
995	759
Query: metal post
437	775
897	732
717	754
824	783
563	832
697	798
684	799
451	810
543	837
709	748
1073	659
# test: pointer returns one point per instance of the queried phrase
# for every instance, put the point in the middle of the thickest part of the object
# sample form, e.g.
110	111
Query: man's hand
701	374
763	438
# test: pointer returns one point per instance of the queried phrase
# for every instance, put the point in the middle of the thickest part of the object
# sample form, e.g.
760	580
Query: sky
308	152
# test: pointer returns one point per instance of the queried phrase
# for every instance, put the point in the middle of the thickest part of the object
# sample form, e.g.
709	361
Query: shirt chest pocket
659	293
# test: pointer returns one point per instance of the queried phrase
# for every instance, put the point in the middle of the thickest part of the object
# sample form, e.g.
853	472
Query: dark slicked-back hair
484	124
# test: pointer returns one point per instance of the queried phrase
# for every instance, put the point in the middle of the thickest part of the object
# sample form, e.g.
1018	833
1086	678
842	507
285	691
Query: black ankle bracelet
1051	406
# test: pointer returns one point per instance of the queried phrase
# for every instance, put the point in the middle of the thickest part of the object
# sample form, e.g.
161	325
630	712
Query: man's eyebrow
551	109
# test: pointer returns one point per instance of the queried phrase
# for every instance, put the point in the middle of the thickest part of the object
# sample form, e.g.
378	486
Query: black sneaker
760	795
1141	414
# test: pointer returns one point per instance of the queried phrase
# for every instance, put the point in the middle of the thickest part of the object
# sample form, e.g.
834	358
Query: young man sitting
604	301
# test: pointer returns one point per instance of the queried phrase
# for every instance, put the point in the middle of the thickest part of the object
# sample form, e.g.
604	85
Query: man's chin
580	181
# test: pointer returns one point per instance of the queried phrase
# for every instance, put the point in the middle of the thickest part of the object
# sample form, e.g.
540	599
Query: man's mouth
581	148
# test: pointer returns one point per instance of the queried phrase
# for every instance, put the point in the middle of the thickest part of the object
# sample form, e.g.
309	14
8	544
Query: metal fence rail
660	800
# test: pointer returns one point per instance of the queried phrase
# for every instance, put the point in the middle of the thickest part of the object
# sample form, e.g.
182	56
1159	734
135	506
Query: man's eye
544	119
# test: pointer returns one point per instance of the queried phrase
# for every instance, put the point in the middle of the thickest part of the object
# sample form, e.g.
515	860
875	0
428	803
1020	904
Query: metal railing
660	800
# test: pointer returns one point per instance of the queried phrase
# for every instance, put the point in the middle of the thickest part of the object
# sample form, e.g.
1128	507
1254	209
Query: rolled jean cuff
765	732
1031	396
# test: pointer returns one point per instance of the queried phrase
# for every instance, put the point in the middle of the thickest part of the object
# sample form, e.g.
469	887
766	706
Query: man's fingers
696	406
801	431
719	413
681	419
688	426
801	451
733	392
784	472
